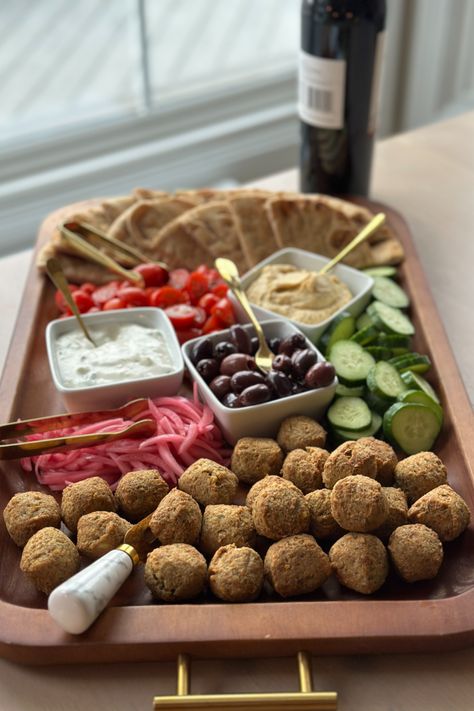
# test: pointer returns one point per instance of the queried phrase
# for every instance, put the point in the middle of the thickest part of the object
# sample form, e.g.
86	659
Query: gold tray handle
306	698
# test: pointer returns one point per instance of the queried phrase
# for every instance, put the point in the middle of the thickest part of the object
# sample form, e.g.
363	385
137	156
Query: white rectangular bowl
360	286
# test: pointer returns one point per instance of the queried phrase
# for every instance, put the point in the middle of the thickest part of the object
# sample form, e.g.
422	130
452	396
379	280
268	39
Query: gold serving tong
21	428
88	241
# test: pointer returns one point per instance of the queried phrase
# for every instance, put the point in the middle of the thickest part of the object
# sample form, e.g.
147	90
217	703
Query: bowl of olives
248	402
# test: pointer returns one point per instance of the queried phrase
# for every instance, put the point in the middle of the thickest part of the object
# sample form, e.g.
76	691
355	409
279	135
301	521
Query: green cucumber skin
392	425
378	404
384	381
347	391
417	382
341	328
387	271
423	398
366	335
363	321
342	435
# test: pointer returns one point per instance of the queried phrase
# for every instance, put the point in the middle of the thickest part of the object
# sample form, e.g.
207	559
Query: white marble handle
77	602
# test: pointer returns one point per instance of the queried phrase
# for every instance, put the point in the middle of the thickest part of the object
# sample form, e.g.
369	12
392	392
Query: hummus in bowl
298	294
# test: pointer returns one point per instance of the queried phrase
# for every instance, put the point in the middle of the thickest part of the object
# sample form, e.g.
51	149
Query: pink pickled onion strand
185	431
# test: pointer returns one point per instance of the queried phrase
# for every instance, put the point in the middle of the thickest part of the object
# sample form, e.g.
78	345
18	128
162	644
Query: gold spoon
59	280
230	274
369	229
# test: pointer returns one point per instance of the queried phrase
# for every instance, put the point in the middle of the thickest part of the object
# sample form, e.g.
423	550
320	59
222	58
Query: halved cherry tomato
83	300
207	301
200	316
181	315
104	293
167	296
133	296
88	287
178	278
224	311
196	286
213	323
60	302
220	290
114	303
185	334
153	274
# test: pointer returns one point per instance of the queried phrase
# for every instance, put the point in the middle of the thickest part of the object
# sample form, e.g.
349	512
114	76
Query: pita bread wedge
76	269
148	194
254	229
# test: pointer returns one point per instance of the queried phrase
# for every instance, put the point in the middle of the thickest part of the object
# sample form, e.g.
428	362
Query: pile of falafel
366	508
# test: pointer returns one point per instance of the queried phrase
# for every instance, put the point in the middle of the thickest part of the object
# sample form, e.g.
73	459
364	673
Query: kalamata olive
240	338
274	344
302	361
231	400
282	363
220	386
237	361
202	349
297	388
244	378
320	375
254	345
223	349
280	383
292	343
254	395
208	368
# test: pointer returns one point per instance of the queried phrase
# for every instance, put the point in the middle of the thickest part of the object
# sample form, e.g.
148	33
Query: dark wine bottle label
321	91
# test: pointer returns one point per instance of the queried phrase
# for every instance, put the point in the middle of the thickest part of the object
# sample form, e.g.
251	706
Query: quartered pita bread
254	229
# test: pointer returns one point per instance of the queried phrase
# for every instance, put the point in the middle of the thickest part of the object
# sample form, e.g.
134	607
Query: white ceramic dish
97	397
360	285
260	420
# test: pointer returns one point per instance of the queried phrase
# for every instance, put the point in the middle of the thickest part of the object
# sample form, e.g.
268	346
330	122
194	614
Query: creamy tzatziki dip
125	351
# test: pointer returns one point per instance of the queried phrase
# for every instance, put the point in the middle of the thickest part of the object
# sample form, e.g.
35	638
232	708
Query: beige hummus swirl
298	294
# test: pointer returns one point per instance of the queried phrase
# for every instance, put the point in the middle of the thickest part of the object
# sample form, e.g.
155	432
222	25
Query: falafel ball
397	511
265	483
299	431
280	511
175	572
304	467
385	458
358	504
360	561
420	473
138	493
416	552
209	482
443	510
83	497
223	524
349	459
322	523
28	512
296	565
100	532
256	457
49	558
177	519
236	573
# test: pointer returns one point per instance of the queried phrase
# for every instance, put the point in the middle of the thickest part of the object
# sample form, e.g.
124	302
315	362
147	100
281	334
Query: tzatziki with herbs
124	351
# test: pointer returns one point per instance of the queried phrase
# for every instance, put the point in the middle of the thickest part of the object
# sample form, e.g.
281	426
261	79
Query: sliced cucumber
380	352
387	291
377	403
351	361
421	397
411	361
416	382
366	335
341	328
384	381
346	391
342	435
393	340
380	271
411	426
363	321
390	319
399	350
349	413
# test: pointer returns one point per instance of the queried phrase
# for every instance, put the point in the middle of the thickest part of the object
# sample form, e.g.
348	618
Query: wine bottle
339	72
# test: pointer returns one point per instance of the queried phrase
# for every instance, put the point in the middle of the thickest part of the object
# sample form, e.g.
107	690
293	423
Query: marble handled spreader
76	603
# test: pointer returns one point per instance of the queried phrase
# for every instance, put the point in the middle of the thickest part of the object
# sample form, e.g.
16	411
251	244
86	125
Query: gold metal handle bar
306	698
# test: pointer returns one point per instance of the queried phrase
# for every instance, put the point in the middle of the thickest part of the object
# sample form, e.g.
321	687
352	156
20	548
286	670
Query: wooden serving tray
426	616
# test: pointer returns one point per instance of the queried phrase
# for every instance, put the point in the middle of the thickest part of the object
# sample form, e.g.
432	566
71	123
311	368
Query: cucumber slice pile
411	426
341	328
349	412
384	381
424	399
389	319
351	362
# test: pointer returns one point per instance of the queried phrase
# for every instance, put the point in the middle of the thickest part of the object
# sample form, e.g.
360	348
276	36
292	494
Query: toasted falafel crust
304	467
397	512
209	482
420	473
280	511
416	552
225	523
358	504
138	493
236	573
177	519
299	432
49	558
296	565
265	483
29	512
385	458
83	497
100	532
322	523
443	510
256	457
175	572
360	561
349	459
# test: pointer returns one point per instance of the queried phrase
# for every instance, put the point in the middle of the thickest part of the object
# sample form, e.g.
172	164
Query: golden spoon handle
369	229
59	280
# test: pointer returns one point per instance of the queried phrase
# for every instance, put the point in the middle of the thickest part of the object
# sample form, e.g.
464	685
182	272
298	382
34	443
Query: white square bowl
360	286
260	420
96	397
